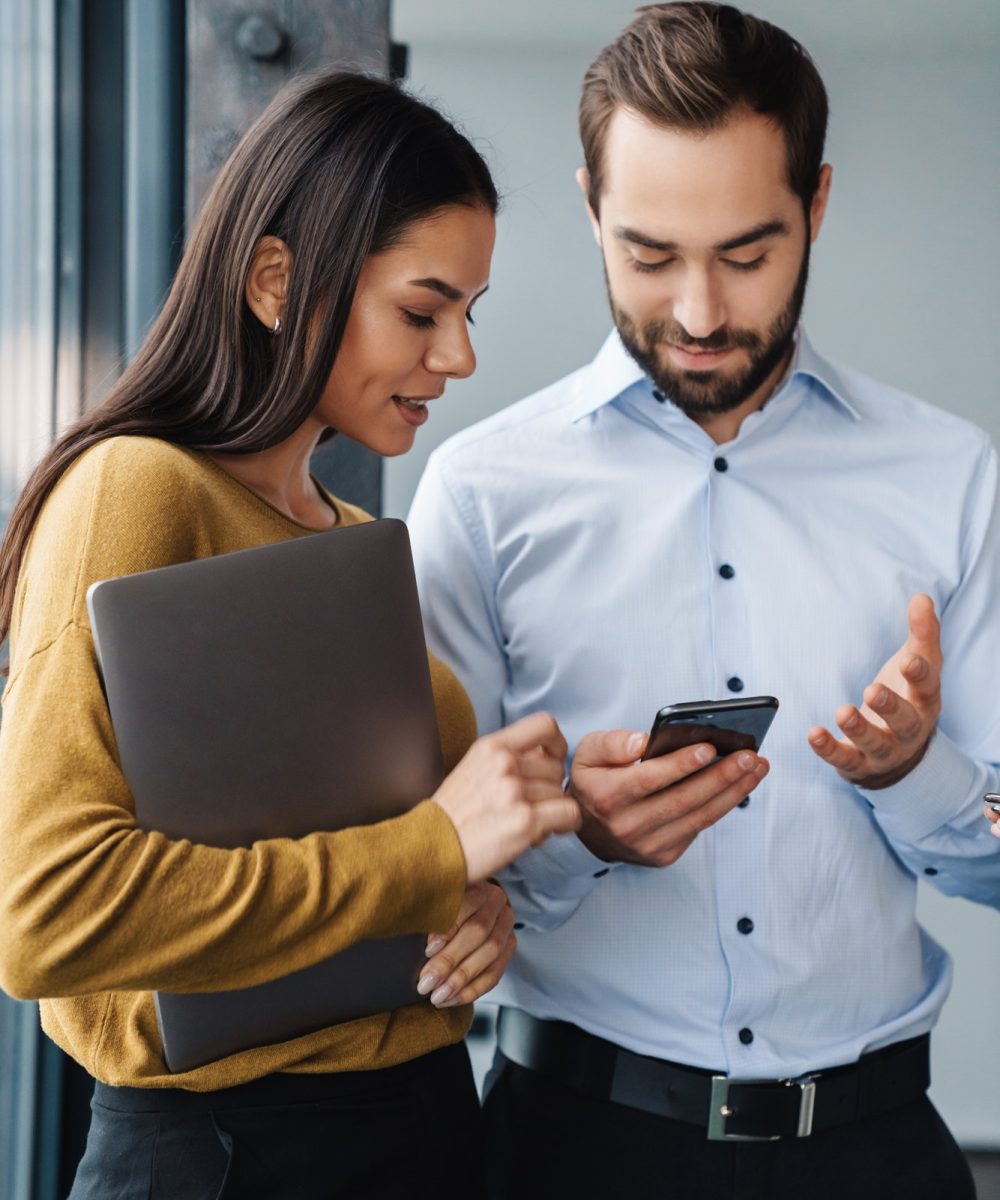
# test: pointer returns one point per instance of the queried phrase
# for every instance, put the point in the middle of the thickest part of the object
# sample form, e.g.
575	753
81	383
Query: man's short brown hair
687	65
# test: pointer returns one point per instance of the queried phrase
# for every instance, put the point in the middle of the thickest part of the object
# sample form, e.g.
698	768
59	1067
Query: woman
327	286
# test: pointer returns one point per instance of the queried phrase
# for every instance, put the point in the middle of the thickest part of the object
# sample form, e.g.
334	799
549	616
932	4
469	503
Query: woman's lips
413	409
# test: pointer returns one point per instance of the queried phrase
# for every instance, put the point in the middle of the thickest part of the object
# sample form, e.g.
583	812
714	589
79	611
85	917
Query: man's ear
267	280
817	206
583	180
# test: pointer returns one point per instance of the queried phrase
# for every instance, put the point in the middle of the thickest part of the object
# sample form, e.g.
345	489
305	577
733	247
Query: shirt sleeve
934	817
457	580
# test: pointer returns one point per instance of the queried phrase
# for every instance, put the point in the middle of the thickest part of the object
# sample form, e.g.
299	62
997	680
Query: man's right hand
648	813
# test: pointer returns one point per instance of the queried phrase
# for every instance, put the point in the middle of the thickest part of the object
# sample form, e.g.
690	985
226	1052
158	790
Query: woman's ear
267	282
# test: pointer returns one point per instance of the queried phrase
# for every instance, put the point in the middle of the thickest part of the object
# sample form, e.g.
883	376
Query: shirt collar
614	371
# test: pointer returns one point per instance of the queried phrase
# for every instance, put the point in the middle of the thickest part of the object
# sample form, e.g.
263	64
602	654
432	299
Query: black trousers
545	1139
406	1131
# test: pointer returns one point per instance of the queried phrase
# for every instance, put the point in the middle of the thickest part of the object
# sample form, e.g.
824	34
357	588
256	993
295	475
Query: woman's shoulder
126	504
136	464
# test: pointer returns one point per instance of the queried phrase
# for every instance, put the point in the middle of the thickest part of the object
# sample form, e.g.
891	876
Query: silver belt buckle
719	1111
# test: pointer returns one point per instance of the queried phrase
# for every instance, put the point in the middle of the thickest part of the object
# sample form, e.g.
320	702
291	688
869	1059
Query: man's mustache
674	334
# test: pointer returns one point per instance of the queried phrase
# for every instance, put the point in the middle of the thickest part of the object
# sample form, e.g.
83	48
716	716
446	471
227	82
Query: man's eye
753	265
418	320
651	266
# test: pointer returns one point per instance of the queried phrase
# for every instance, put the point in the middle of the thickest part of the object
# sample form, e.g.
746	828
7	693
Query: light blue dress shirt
568	552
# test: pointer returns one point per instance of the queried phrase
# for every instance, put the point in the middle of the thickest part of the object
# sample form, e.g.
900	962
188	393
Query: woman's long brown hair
337	166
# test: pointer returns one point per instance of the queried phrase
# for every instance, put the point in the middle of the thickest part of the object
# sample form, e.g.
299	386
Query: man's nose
698	307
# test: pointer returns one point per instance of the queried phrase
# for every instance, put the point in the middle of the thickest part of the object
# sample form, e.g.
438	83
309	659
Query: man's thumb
610	748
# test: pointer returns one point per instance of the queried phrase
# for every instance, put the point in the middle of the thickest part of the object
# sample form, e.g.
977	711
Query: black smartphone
992	800
728	725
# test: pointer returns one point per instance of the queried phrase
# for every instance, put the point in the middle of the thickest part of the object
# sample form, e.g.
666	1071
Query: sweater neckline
265	506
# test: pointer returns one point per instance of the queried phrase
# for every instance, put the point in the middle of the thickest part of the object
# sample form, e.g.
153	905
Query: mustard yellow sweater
95	913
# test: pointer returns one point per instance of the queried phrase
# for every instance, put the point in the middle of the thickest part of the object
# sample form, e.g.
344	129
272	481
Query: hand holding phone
992	800
728	725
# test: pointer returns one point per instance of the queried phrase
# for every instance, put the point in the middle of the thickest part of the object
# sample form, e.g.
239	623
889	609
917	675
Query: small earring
277	327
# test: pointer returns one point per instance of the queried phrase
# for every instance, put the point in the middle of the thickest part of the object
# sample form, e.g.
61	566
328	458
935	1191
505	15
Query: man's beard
707	392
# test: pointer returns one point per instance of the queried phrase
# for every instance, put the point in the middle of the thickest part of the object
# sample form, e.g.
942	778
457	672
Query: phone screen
728	725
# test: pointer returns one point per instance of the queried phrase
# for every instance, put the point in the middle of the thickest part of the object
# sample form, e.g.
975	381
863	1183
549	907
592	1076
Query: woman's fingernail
427	982
445	992
434	945
746	761
704	754
634	744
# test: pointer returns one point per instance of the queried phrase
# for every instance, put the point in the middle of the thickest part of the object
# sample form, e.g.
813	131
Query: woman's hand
506	794
468	960
993	816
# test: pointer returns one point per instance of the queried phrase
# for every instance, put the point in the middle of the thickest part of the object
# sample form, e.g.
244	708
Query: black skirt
407	1131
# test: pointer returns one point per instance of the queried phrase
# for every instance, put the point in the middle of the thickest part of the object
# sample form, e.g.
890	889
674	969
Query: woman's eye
746	266
418	320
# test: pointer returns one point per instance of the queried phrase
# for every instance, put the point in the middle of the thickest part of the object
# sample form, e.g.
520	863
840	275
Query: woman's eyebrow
445	289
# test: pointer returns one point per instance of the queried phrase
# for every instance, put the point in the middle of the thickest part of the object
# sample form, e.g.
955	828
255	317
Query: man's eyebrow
758	233
444	289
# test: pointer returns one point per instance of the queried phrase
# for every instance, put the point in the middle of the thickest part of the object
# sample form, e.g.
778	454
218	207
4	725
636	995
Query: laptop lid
274	692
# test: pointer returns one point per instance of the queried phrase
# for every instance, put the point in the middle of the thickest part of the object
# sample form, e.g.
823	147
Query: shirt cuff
933	794
563	867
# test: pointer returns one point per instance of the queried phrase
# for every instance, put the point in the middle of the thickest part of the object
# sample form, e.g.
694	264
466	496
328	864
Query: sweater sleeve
90	902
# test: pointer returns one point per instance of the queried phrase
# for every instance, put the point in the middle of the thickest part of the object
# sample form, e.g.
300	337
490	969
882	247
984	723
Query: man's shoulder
898	414
529	422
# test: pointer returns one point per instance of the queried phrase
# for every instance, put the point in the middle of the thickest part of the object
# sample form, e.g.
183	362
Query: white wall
905	285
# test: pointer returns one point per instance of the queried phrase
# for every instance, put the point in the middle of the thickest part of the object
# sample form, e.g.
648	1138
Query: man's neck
723	427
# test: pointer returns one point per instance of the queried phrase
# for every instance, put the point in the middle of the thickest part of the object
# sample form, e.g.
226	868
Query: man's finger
925	628
610	748
655	774
923	677
670	841
874	741
900	716
839	754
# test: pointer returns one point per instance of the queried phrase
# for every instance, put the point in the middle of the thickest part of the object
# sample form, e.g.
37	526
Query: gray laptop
274	692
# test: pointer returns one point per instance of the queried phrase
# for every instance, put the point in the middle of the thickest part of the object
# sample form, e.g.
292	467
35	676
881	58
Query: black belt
729	1109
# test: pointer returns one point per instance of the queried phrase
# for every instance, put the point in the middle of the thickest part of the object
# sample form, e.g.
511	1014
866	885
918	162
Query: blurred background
114	115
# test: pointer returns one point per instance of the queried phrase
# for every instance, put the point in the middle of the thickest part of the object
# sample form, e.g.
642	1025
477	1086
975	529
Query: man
710	509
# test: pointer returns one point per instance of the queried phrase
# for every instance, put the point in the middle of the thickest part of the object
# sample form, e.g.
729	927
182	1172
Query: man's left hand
887	736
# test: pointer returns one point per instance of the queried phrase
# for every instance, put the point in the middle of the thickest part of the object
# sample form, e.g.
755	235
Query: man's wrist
887	779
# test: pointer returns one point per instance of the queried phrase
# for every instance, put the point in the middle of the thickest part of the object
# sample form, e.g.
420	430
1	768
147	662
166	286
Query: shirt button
735	684
726	571
744	925
720	464
930	870
658	396
600	874
746	1036
744	802
518	924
